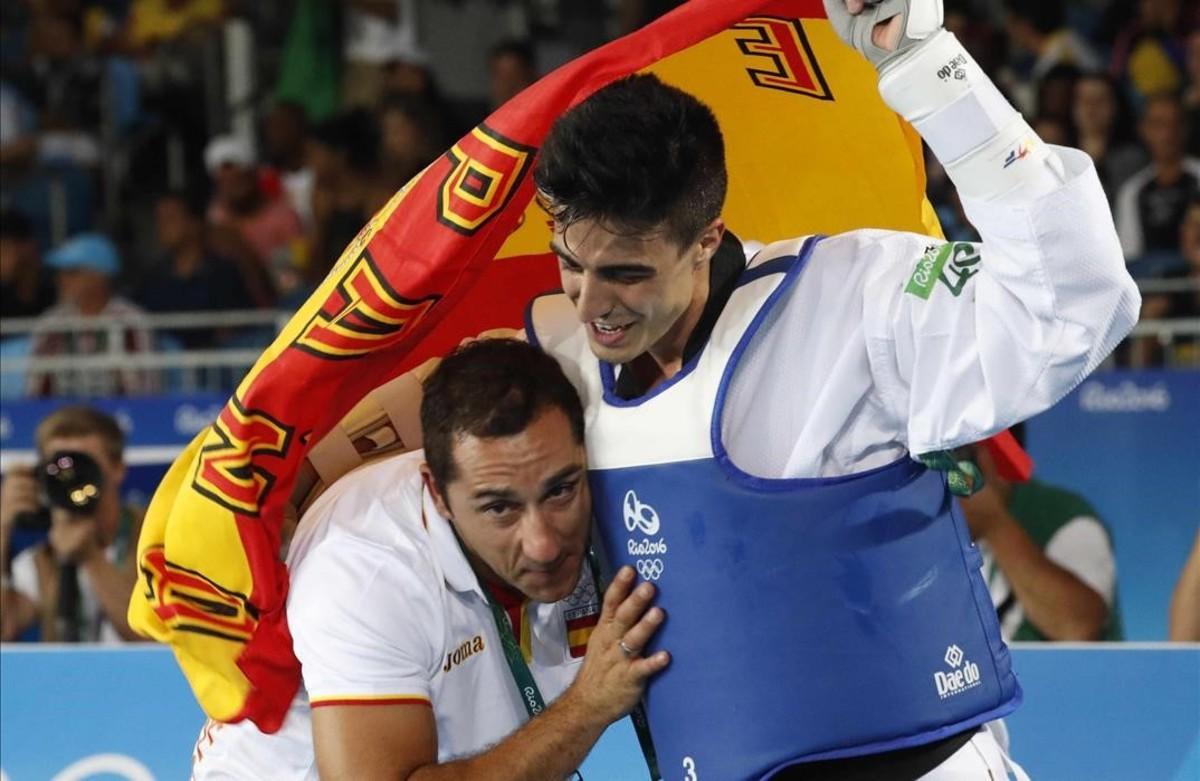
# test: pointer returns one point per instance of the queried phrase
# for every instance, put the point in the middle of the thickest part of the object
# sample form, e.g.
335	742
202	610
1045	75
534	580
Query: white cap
228	149
405	49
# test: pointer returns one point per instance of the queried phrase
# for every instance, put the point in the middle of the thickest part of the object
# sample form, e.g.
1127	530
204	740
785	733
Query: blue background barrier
148	421
156	429
1130	443
1124	440
1102	713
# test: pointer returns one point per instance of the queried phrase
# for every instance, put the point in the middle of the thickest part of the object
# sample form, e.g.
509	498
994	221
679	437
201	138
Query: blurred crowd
197	155
1121	81
166	156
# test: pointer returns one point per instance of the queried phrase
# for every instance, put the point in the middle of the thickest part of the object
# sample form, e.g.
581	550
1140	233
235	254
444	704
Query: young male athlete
760	435
440	599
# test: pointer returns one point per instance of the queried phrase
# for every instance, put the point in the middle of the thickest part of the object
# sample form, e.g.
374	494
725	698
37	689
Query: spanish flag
461	249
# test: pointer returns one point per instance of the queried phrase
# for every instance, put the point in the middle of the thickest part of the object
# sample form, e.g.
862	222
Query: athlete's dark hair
491	388
636	154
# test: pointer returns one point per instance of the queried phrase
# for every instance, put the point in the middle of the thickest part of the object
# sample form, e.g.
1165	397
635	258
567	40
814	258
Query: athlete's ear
710	240
435	493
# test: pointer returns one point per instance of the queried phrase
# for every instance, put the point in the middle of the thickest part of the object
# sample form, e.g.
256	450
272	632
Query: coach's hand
614	672
884	30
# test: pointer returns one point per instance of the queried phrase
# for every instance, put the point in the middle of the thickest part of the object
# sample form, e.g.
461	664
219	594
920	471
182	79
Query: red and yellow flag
461	249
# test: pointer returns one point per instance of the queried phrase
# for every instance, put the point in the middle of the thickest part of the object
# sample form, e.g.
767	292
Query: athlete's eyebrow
562	252
611	271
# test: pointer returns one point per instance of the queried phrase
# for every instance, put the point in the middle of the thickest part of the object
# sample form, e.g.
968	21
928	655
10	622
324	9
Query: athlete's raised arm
964	339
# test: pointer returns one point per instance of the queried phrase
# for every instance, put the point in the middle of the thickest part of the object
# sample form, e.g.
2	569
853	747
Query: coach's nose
540	541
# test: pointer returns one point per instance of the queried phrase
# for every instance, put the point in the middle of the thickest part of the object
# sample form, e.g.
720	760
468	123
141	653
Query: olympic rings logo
650	569
126	767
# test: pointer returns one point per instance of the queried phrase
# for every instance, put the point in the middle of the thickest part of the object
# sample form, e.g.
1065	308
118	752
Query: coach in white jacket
441	599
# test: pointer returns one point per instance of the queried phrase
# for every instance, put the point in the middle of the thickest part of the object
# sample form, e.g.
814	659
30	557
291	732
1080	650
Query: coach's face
521	506
634	293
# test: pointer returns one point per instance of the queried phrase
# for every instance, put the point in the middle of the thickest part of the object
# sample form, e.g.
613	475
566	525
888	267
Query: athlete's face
521	506
634	293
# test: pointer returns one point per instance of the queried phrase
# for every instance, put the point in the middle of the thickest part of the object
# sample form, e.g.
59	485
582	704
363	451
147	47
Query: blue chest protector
806	618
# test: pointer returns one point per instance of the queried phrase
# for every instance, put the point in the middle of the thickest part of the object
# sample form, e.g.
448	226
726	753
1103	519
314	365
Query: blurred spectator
1191	94
1041	40
1148	350
285	136
267	224
511	67
1150	206
77	583
153	22
18	125
1148	54
1048	558
407	75
63	82
1103	130
188	276
345	157
405	71
1056	94
632	14
86	267
1184	624
376	38
412	135
26	289
1052	131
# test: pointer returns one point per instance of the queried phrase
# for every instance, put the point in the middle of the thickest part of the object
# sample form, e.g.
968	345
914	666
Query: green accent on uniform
928	269
963	477
1042	510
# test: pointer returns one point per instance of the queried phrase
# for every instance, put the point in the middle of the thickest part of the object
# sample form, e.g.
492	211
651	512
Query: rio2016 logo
640	517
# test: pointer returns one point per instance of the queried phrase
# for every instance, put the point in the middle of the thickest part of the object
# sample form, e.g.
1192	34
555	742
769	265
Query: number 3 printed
689	765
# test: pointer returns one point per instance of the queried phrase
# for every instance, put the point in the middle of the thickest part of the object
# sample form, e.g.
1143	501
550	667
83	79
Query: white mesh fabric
799	404
855	367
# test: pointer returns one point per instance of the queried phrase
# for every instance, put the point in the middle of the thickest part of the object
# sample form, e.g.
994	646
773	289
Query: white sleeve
964	340
25	574
1129	226
1082	548
364	619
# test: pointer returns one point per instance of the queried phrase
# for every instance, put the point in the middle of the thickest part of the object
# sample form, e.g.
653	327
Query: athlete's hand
882	30
611	681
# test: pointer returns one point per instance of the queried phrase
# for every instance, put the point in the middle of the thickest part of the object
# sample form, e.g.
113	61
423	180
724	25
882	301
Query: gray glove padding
919	20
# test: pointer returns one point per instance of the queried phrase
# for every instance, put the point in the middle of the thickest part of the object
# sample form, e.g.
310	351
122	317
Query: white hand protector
933	82
919	20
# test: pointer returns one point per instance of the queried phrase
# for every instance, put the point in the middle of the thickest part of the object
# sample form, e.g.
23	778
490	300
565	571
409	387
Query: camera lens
72	481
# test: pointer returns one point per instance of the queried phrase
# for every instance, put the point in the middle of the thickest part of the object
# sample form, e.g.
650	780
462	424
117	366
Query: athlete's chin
622	353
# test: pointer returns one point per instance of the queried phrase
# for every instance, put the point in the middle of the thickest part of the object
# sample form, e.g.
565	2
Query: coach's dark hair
636	154
491	388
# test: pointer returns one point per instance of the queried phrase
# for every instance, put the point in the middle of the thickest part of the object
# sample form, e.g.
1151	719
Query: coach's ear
439	499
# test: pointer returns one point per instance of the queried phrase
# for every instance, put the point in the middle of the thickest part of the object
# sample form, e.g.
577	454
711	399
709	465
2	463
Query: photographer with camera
77	583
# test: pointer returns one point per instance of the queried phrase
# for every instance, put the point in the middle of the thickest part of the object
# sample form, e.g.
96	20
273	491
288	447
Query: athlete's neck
666	357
